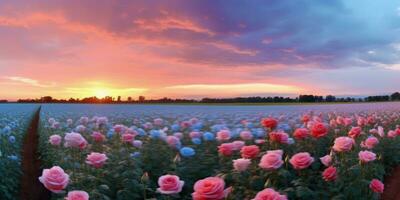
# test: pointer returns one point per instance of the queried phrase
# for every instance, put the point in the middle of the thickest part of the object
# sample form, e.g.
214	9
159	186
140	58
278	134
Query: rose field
333	151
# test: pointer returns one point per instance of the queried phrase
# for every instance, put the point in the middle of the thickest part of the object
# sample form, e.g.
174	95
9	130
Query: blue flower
135	154
187	152
207	136
141	132
175	127
110	134
13	157
11	139
196	141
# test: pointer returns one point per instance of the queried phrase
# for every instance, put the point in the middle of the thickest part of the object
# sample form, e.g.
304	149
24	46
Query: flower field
221	154
13	126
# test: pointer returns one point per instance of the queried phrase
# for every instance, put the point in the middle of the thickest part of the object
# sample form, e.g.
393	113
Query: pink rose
300	133
195	134
246	135
329	174
269	194
279	136
74	140
127	137
226	149
355	132
211	188
238	144
250	151
342	144
392	134
223	135
319	130
301	160
272	160
173	141
241	164
170	184
370	142
54	179
377	186
96	160
55	140
98	137
366	156
119	128
158	121
326	160
77	195
305	118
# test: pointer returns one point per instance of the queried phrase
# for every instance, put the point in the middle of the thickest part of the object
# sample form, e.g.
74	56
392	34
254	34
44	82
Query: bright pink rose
279	136
74	140
329	174
377	186
173	141
392	134
366	156
250	151
54	179
272	160
269	122
339	120
98	137
246	135
223	135
77	195
96	160
269	194
371	142
342	144
211	188
170	184
301	160
55	140
127	137
398	131
361	121
326	160
355	132
300	133
305	118
226	149
371	120
241	164
319	130
348	121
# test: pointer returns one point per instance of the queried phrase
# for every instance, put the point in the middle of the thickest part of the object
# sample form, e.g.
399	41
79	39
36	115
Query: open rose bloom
169	184
54	179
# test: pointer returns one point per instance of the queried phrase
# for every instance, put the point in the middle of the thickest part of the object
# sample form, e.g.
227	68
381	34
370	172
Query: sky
198	48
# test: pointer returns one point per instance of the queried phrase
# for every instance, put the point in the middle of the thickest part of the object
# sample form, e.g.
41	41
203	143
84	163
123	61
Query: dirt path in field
392	185
31	188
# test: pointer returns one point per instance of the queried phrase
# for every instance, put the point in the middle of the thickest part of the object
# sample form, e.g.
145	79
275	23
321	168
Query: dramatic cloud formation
198	48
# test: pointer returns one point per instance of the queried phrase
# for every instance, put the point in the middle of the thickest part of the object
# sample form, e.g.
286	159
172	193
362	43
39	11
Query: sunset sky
198	48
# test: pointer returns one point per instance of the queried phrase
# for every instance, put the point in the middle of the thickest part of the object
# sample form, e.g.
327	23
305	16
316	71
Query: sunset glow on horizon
196	49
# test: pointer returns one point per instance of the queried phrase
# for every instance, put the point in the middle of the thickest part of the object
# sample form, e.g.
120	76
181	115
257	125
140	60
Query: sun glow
101	92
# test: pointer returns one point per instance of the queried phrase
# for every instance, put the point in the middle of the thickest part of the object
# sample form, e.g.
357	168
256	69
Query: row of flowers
292	156
13	126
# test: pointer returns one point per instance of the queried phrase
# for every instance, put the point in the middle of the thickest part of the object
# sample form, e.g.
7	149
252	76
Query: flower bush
174	155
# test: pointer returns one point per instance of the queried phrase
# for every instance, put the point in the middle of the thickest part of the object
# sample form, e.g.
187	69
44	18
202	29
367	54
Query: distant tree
330	98
129	99
395	96
119	99
142	98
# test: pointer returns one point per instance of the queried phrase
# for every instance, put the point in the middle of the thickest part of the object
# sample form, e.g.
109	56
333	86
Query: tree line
257	99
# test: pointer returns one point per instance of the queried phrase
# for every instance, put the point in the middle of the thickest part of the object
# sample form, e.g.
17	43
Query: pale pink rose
340	120
329	174
246	135
173	141
238	145
127	137
97	160
259	141
301	160
377	186
119	128
170	184
269	194
211	188
98	137
55	140
381	132
158	122
84	120
348	121
74	140
361	121
342	144
392	134
54	179
195	134
272	160
223	135
77	195
366	156
241	164
326	160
